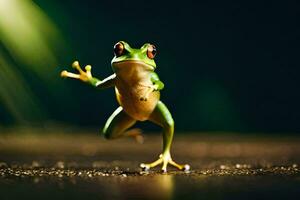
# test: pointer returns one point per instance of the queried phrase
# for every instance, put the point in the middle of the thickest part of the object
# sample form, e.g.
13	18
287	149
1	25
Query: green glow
16	95
25	32
30	38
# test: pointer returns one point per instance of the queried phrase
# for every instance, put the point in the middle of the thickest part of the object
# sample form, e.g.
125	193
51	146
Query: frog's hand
157	83
85	76
149	90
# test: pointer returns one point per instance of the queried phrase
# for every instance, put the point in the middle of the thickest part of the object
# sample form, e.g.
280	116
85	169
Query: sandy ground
223	166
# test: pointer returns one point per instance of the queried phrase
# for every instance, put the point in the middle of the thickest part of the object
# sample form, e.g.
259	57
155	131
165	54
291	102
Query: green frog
137	89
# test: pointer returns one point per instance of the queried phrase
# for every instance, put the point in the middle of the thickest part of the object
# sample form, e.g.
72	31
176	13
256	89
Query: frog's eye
151	51
119	49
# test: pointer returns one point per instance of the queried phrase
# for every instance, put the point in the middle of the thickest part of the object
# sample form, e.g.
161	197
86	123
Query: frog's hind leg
163	118
118	123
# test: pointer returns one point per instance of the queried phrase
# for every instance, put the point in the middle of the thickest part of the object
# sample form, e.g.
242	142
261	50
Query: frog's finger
88	69
147	86
69	74
146	95
77	66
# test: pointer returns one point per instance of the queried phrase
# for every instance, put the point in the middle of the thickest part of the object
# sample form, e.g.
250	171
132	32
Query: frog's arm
105	83
86	76
158	85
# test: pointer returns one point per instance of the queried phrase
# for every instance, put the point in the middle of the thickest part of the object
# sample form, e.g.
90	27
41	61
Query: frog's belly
131	103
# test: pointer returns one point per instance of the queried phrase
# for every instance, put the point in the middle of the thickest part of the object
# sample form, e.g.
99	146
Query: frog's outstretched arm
86	76
105	83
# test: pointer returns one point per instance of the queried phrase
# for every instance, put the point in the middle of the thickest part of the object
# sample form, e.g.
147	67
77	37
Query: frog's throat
130	62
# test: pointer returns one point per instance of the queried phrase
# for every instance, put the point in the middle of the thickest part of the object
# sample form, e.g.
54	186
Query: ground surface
85	166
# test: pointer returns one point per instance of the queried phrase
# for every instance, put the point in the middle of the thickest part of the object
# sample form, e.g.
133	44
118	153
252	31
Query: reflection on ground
60	166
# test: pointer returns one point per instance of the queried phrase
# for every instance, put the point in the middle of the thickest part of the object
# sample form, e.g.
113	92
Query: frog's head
125	55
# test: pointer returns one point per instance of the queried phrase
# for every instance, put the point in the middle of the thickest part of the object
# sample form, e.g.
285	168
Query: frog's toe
163	170
186	168
165	160
148	166
144	167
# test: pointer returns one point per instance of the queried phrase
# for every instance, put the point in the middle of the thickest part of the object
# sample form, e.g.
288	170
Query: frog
137	88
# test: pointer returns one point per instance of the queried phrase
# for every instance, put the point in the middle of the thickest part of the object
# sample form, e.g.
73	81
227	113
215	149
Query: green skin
138	91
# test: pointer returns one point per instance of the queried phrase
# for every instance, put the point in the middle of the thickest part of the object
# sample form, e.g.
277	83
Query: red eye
151	51
119	49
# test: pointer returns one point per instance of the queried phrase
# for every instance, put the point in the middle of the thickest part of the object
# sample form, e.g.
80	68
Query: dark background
226	66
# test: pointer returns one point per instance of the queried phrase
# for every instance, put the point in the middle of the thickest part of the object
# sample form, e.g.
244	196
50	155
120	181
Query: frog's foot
136	133
83	75
164	159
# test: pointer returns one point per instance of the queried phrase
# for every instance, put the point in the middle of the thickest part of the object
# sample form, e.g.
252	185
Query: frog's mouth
132	64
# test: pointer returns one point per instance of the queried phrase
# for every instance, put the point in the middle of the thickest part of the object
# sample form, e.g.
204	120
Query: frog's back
131	84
